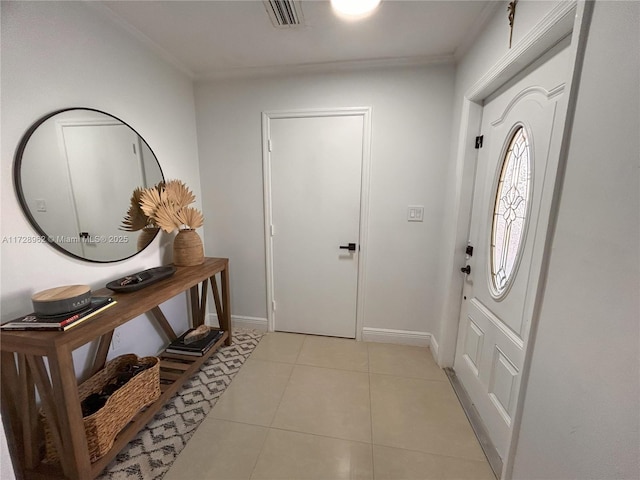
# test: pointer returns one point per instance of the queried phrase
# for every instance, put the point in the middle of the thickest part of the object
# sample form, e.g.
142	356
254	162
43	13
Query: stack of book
60	322
196	348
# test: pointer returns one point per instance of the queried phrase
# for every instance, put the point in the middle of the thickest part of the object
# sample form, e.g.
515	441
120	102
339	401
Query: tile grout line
373	461
319	435
255	463
412	378
253	471
374	443
300	351
453	457
270	427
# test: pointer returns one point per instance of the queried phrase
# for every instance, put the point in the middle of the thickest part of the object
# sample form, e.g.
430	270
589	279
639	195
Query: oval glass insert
510	211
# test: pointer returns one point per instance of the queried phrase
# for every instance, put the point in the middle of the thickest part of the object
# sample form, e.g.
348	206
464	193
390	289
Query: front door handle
351	247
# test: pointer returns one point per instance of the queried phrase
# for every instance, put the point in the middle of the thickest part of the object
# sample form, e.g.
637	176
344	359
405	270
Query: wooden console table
24	371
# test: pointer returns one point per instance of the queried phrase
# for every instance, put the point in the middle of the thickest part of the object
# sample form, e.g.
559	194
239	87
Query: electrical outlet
116	341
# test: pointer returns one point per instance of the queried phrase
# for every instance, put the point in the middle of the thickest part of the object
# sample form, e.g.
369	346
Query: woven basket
187	249
102	427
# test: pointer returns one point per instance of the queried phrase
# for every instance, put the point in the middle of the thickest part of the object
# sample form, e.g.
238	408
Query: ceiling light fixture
354	9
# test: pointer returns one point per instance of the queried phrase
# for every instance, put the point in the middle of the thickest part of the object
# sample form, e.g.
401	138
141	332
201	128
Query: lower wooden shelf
25	377
175	370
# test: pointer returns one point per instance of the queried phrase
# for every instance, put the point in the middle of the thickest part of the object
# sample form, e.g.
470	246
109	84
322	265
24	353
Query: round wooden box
61	300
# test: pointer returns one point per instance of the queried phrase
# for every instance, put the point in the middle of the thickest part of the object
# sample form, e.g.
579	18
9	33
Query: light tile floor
307	407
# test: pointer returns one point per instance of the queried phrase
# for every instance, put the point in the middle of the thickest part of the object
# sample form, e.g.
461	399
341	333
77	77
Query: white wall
581	409
490	46
411	123
65	54
581	415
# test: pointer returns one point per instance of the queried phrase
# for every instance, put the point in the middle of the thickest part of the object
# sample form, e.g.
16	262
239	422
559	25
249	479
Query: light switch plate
415	213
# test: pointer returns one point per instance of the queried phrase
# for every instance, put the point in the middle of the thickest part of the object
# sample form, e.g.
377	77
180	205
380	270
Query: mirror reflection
75	171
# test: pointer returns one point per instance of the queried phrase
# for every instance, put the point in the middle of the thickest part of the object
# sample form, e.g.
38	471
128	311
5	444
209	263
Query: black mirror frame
17	183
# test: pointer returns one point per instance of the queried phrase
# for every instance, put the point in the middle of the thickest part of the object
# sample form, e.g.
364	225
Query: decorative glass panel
510	211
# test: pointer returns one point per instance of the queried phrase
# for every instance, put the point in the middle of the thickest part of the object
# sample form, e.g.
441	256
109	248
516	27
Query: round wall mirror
74	172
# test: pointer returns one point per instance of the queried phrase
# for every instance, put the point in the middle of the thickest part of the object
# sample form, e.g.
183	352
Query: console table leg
225	322
222	308
216	300
202	310
10	413
101	354
28	413
65	392
43	384
195	306
198	304
164	324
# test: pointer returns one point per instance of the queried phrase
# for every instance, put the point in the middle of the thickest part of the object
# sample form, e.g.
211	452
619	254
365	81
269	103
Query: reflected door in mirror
75	171
93	153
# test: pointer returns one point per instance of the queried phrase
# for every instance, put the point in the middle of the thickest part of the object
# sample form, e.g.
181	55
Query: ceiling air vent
284	13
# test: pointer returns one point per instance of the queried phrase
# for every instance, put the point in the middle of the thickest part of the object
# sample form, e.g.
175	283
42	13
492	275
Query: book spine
183	352
180	348
70	319
61	325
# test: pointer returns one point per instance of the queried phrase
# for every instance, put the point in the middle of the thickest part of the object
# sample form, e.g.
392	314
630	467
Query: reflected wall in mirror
74	173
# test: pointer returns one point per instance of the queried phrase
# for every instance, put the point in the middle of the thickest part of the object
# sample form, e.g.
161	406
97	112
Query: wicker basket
102	427
187	249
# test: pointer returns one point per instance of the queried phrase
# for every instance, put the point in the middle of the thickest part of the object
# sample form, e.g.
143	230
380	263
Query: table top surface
128	306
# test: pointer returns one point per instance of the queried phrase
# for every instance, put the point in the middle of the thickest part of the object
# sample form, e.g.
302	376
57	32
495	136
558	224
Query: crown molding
555	26
324	67
479	25
161	52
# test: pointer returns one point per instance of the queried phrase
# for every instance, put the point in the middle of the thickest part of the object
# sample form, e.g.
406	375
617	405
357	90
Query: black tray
136	281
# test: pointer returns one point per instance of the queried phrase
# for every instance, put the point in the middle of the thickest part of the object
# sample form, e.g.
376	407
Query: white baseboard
237	321
401	337
433	346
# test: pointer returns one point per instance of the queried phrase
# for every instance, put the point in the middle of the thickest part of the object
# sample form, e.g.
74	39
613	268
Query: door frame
267	116
568	18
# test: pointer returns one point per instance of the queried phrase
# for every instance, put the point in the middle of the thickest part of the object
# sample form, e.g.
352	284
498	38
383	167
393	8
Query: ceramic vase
187	249
146	237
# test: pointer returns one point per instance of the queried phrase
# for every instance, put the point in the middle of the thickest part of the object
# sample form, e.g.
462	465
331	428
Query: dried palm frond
135	218
166	217
191	217
179	194
165	205
150	199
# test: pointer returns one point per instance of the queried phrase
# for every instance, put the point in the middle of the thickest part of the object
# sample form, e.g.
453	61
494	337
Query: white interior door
104	169
512	179
315	171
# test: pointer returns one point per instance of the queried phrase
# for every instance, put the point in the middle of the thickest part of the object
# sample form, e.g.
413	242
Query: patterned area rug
151	453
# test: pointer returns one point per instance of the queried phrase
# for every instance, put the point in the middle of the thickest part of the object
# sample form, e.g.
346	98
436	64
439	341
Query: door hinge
469	250
273	305
479	141
269	146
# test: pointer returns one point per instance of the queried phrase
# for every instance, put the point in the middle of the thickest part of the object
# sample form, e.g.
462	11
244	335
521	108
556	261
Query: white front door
315	165
513	177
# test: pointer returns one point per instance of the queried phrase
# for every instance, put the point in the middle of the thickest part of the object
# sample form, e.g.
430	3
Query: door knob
351	247
466	269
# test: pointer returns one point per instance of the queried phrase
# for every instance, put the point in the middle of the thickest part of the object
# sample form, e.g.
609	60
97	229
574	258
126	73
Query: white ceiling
209	39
